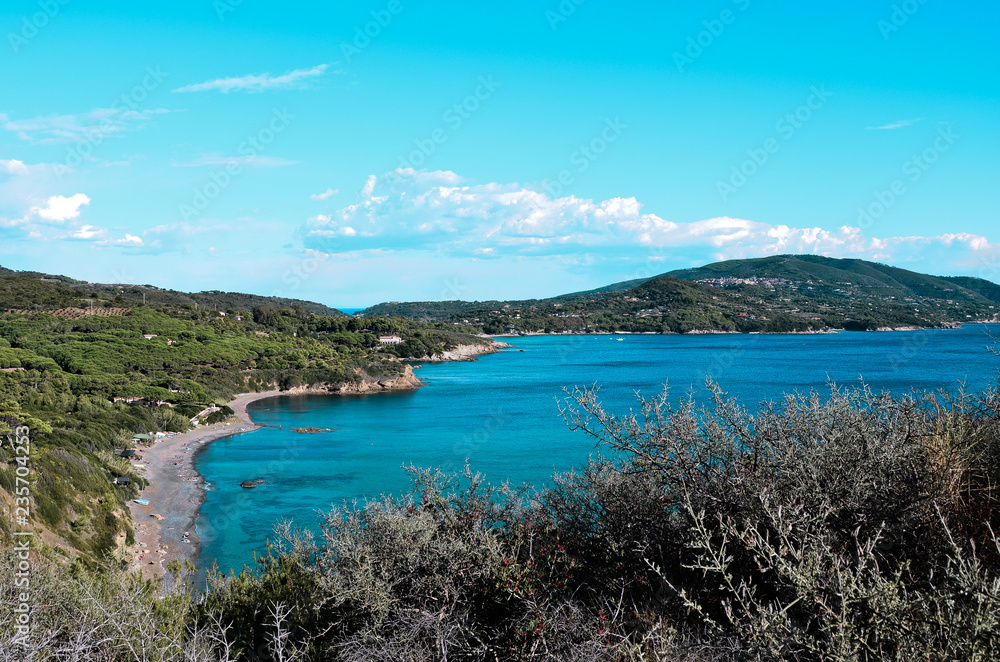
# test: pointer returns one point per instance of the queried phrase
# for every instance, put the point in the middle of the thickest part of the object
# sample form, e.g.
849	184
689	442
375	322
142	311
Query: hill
785	293
47	292
87	367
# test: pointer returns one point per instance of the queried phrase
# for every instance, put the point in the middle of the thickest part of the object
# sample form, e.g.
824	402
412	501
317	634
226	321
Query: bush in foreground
852	527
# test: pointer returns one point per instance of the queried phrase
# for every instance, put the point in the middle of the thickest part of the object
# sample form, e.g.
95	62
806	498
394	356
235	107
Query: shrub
852	527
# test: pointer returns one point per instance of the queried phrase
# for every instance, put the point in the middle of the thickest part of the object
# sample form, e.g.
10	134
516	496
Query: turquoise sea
501	414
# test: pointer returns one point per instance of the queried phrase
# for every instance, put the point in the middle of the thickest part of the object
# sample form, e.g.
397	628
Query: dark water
501	414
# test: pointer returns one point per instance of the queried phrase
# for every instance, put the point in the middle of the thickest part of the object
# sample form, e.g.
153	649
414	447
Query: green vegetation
852	527
86	368
768	295
35	291
855	526
428	343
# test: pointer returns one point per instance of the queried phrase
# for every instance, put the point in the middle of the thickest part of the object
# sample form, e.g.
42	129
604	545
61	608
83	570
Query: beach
165	527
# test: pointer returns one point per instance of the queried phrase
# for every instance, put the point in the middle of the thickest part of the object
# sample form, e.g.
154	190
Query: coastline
697	332
176	492
165	528
462	352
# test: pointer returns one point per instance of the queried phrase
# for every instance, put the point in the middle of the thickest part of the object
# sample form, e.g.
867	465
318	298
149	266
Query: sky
354	153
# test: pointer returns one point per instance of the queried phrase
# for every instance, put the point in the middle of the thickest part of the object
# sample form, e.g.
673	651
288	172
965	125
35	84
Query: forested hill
775	294
87	367
29	290
828	274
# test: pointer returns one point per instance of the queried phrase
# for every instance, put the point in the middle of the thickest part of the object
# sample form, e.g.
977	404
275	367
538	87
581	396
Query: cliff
406	381
464	352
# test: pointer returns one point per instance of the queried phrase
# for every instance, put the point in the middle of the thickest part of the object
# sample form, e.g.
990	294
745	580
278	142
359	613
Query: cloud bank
408	210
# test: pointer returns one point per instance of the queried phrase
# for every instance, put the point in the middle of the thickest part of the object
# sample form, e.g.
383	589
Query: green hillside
826	274
784	293
88	366
38	292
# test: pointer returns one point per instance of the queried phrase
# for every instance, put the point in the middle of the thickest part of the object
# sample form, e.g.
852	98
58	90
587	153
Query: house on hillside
389	340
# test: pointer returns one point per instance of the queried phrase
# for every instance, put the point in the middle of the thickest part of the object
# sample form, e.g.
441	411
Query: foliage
87	362
813	529
778	294
837	528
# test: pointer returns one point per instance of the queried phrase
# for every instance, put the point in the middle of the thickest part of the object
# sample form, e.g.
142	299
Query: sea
501	415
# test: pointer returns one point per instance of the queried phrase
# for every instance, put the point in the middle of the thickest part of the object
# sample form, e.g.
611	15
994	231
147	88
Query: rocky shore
407	381
464	352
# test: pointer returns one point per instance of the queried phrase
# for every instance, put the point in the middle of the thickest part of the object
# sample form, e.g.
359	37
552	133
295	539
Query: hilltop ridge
39	291
783	293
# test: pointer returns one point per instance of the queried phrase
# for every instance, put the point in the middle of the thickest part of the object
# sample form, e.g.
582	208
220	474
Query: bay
501	414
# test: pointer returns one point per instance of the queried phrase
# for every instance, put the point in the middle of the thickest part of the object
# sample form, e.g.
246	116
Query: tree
11	417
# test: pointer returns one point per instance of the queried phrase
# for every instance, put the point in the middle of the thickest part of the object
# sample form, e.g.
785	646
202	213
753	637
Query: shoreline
699	332
165	527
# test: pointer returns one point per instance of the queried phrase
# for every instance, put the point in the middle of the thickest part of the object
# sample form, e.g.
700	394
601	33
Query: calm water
501	413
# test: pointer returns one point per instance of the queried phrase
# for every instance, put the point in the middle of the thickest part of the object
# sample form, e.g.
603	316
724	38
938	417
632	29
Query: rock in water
252	483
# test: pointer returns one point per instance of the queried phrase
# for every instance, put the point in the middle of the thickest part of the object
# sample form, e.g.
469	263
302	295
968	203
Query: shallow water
501	414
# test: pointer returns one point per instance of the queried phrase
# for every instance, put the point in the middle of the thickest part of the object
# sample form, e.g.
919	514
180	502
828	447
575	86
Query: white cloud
257	82
13	167
411	210
169	238
87	233
328	193
94	126
246	161
129	240
18	168
895	125
369	186
59	208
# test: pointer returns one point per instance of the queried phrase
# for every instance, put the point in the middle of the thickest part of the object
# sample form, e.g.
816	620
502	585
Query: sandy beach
165	528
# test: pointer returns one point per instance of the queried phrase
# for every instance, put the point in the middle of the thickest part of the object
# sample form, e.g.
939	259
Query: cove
501	414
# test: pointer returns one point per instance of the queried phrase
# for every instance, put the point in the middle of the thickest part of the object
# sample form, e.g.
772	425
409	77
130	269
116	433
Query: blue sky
498	151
